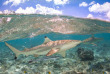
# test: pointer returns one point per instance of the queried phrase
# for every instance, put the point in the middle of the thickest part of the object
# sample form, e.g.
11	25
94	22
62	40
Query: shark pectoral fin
52	51
47	40
63	53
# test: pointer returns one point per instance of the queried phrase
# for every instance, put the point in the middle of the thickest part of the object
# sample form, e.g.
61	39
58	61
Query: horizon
60	15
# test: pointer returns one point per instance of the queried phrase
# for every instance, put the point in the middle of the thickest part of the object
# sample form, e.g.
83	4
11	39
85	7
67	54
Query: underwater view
37	48
53	40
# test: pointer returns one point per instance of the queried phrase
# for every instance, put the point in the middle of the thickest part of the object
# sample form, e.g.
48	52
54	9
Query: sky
98	9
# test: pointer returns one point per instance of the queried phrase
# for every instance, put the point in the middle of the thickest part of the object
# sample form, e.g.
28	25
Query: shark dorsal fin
47	40
92	36
63	53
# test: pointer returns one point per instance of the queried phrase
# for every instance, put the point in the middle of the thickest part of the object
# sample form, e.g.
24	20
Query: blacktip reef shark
49	47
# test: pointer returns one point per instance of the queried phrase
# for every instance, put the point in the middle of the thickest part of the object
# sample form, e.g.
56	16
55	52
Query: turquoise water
27	31
101	53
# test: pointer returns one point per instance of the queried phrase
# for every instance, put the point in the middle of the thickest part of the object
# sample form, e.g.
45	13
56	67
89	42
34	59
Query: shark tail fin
17	52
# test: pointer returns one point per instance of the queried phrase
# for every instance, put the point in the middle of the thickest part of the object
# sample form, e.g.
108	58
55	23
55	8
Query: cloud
83	4
38	10
108	14
28	10
98	8
91	3
48	0
1	12
46	10
17	2
14	2
90	16
8	12
59	2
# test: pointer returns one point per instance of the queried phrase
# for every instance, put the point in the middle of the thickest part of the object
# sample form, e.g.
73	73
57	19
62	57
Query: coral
85	55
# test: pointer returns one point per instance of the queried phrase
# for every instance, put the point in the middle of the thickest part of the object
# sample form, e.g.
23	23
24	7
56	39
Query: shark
49	47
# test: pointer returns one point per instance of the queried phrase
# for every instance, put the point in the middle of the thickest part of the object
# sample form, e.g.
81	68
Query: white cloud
38	10
8	12
97	8
90	16
46	10
83	4
48	0
28	10
59	2
14	2
17	2
93	2
1	12
108	14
